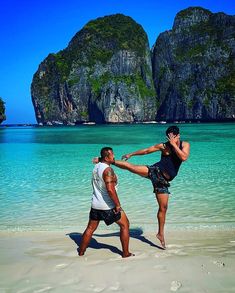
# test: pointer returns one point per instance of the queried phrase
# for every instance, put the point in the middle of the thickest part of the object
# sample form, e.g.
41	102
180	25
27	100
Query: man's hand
126	157
95	160
117	209
172	139
182	154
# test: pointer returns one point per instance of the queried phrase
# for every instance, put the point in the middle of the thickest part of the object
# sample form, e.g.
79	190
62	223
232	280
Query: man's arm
110	182
149	150
182	154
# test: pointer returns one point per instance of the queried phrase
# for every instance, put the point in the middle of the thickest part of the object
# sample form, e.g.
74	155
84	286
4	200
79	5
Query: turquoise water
45	176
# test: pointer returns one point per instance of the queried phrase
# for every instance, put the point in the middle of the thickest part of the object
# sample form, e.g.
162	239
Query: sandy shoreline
199	261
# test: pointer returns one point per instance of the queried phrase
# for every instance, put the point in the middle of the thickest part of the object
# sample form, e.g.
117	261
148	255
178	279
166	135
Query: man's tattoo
110	176
110	181
110	173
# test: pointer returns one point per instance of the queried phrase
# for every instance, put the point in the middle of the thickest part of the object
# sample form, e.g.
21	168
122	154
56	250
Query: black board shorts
160	184
108	216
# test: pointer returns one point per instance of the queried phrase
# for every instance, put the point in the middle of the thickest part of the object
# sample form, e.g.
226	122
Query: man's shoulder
185	143
161	145
108	174
101	167
186	146
108	170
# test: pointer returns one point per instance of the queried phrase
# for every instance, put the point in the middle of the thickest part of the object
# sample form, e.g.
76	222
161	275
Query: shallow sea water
45	176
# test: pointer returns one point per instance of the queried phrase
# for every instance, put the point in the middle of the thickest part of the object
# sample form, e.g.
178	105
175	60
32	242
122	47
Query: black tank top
170	163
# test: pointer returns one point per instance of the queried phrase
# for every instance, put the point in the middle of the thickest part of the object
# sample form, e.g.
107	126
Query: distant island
2	111
108	74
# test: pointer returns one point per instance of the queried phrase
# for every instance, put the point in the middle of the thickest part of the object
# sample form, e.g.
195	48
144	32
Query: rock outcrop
194	67
2	111
104	75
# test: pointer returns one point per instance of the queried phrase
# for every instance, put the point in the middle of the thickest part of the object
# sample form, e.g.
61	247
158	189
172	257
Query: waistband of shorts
157	167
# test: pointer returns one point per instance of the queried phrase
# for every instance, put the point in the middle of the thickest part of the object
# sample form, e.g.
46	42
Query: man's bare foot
127	255
80	253
162	241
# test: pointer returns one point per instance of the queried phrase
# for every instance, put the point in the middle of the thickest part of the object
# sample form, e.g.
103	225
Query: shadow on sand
136	233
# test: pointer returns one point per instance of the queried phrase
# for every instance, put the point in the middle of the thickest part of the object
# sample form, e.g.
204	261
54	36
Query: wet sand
48	262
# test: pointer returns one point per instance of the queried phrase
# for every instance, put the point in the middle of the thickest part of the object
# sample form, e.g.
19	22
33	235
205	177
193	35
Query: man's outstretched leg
124	234
137	169
162	199
86	237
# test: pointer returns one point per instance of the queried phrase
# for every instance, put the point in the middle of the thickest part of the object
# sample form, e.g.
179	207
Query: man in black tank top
173	153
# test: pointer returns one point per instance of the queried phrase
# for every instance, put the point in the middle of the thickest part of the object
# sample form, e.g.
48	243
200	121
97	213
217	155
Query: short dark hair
172	129
104	152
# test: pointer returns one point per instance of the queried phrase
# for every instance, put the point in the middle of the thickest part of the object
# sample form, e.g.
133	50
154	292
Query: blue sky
30	30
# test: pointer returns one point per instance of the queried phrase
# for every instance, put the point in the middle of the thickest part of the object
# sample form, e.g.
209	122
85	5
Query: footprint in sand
177	252
175	285
219	264
96	289
162	254
205	269
115	287
174	246
99	289
61	266
160	268
43	290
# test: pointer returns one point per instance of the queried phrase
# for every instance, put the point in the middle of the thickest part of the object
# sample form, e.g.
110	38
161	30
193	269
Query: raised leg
137	169
86	237
162	199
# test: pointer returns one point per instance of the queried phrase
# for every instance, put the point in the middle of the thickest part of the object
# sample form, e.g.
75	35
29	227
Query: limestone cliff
104	75
194	67
2	111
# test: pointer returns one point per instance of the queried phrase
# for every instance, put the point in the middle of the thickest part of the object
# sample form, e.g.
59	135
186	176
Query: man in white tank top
105	205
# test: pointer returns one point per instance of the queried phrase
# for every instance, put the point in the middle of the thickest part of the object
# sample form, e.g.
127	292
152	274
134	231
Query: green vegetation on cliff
192	53
122	32
2	110
108	55
194	67
99	40
226	85
130	80
188	12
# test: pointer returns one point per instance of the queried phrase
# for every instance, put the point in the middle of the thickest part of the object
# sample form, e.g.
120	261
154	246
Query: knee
125	225
163	208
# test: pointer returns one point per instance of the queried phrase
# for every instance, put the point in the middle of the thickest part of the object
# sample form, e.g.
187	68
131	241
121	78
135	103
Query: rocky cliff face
104	75
194	67
2	111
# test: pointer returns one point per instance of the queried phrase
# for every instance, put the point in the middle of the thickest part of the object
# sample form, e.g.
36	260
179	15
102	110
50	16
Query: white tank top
100	197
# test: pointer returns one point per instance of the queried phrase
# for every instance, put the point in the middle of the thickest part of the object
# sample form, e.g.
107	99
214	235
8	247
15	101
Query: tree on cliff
2	111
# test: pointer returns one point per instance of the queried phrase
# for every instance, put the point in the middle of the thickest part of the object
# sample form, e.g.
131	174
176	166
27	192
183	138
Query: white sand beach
48	262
